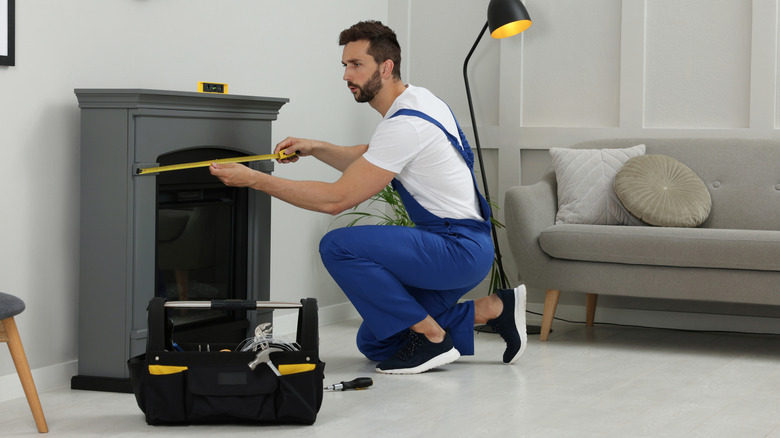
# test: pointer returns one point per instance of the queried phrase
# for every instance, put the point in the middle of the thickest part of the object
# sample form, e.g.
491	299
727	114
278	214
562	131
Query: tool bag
185	386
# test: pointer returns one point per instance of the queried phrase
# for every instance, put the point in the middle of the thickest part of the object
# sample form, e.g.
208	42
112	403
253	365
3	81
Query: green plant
398	215
388	197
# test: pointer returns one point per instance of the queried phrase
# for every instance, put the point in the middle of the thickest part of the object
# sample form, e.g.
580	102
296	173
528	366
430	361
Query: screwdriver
359	383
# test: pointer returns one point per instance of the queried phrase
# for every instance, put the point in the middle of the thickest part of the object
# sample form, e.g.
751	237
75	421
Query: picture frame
7	32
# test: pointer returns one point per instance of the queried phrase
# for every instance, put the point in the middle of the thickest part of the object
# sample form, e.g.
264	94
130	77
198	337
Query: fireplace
180	234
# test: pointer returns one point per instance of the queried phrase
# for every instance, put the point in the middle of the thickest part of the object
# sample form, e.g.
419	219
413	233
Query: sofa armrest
527	211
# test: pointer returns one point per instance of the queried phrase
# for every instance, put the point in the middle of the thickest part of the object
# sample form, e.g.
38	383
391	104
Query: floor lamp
505	18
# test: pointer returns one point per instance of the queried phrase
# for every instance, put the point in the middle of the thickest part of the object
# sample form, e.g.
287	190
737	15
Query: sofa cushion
586	193
742	175
662	191
665	246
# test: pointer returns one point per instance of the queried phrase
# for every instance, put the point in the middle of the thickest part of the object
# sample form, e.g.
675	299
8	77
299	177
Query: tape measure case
192	387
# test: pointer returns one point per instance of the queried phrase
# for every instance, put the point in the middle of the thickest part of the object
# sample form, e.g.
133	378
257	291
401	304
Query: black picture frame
7	33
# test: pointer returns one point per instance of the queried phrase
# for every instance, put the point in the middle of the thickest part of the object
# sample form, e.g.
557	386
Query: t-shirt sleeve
394	144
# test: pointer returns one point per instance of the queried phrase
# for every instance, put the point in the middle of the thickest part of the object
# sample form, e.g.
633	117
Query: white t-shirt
423	158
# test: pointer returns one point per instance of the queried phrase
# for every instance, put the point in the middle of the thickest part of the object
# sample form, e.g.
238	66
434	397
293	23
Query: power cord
613	324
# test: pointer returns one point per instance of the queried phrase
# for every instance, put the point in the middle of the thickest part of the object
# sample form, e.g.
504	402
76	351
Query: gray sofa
733	257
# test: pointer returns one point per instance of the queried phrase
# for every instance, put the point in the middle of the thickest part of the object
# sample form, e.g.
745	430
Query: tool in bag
222	383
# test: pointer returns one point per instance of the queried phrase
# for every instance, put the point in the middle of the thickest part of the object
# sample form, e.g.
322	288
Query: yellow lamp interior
510	29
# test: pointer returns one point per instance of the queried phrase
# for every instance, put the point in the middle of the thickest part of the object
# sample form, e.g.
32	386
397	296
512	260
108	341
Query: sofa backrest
742	175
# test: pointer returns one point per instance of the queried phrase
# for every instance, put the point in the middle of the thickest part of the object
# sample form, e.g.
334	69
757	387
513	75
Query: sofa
733	256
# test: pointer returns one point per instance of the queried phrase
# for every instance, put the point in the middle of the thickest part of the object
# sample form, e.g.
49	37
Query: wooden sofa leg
590	309
550	303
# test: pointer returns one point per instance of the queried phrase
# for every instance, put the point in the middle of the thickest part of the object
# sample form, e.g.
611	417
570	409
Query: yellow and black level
212	87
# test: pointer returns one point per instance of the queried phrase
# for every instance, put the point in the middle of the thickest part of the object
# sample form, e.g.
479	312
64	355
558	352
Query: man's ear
387	68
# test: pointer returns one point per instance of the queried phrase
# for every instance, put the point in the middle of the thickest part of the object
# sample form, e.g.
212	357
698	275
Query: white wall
277	48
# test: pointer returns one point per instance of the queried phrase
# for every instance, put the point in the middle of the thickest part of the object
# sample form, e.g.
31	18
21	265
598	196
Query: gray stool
11	306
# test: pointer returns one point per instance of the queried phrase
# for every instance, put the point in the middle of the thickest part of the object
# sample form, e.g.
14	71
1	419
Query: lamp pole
501	275
519	21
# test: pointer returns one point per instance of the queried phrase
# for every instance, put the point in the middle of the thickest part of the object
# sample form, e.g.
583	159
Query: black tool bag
187	386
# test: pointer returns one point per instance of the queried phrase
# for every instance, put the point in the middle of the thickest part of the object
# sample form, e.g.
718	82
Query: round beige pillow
662	191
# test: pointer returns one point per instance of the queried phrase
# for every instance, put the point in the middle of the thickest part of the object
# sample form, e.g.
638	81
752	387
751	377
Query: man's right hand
303	147
338	157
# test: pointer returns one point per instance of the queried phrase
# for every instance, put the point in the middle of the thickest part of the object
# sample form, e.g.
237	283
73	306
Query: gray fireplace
181	234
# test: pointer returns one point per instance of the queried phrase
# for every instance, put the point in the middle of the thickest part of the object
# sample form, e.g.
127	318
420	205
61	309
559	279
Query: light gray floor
585	382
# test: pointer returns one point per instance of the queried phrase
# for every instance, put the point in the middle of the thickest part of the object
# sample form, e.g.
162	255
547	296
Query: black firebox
202	243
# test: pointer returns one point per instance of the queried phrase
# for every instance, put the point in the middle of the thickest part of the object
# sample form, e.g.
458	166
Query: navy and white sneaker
419	355
511	323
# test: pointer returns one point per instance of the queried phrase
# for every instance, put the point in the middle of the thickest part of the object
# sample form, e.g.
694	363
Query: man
405	282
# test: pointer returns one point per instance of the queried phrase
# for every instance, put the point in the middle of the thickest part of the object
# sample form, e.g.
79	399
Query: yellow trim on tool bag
295	368
161	370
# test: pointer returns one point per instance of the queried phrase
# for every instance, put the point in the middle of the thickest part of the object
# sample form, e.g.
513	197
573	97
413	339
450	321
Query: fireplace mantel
179	100
122	130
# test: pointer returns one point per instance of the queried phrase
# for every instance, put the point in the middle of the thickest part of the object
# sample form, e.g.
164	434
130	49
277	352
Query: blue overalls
396	276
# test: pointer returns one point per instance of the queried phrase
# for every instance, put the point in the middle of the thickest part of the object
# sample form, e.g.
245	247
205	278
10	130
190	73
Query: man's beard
369	90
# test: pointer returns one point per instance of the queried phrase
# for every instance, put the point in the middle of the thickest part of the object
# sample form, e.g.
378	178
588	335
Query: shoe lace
498	327
412	343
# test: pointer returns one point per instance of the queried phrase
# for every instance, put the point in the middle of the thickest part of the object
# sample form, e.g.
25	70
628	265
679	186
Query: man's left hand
233	174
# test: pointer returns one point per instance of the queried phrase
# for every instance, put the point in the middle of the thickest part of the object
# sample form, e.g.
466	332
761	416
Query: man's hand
338	157
233	174
303	147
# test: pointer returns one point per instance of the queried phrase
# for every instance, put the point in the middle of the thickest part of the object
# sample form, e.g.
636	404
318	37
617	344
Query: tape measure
279	156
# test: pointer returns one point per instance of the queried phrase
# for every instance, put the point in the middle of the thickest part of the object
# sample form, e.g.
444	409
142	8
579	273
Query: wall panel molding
708	68
697	63
571	74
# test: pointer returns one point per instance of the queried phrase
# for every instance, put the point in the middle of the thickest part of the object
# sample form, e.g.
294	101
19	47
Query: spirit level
212	87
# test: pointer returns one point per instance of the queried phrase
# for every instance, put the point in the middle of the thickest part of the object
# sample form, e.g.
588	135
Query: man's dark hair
383	44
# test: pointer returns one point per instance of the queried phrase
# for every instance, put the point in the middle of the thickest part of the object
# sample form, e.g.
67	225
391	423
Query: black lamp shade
507	18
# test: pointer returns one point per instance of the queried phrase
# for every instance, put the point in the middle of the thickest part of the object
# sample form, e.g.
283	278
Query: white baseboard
287	323
46	379
665	319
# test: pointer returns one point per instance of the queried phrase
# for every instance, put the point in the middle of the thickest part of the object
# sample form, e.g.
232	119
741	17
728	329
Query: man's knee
376	349
331	244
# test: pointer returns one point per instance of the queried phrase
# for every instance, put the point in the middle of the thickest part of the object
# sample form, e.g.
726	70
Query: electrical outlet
212	87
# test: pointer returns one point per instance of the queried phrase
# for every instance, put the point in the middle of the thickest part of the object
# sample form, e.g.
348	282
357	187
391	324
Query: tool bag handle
159	340
308	325
156	324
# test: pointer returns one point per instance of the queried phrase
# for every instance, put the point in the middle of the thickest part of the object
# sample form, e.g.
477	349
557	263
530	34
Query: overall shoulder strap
462	146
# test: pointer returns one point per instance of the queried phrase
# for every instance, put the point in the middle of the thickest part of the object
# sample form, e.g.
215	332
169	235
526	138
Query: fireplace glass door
201	242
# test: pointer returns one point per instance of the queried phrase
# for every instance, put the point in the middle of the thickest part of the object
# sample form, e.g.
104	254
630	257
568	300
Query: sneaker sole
442	359
520	323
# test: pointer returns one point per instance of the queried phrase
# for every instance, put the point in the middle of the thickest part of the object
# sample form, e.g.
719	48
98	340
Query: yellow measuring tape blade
279	156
